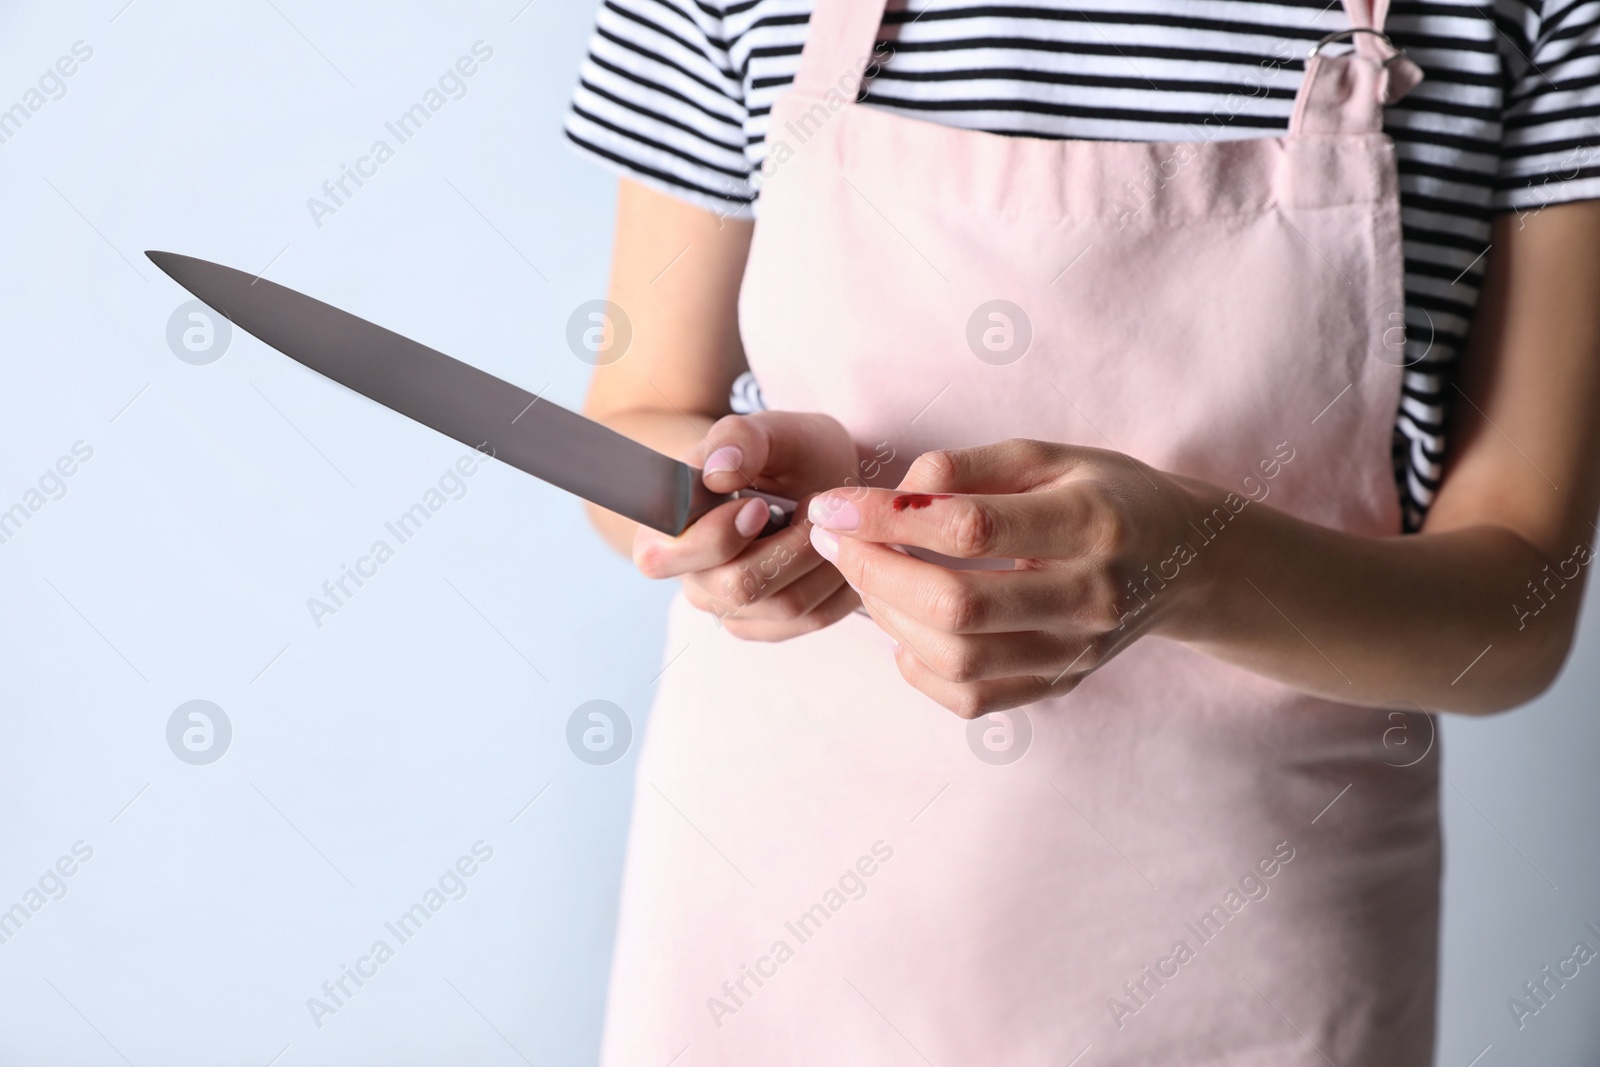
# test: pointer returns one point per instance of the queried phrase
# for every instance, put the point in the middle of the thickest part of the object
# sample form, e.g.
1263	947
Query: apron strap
839	44
1339	94
1370	17
1363	17
1347	93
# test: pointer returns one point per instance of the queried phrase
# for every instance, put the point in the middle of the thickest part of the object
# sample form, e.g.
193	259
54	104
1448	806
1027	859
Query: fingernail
835	513
727	458
752	518
825	543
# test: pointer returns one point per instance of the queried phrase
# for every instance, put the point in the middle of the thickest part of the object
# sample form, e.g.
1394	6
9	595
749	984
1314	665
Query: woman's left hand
1089	530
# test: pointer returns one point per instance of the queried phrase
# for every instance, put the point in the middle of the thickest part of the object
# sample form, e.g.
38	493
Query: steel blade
455	398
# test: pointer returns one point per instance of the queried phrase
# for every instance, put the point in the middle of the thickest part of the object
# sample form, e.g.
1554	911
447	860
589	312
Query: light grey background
371	752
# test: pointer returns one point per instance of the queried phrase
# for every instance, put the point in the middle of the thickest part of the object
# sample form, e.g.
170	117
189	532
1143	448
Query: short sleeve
1550	145
659	101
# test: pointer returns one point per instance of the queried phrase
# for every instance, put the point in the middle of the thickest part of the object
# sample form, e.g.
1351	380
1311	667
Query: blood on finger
917	501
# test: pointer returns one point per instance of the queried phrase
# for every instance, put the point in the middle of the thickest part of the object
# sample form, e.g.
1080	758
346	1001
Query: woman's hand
662	390
776	587
1087	528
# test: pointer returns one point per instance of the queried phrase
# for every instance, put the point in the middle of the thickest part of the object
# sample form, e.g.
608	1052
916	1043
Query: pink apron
1178	863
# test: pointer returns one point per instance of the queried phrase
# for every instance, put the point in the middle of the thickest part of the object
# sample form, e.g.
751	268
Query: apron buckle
1396	52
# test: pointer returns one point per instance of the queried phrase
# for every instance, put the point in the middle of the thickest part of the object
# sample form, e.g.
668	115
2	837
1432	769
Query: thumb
1014	466
779	449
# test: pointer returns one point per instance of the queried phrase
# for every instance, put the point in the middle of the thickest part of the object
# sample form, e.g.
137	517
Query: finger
765	567
971	699
979	657
1061	523
1014	466
718	536
884	621
1073	599
837	606
770	447
747	599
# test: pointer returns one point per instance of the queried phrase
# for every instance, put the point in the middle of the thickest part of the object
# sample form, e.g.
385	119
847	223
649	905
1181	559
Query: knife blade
460	401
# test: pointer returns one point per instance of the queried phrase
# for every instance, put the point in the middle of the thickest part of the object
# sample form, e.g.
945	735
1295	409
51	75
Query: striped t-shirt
677	94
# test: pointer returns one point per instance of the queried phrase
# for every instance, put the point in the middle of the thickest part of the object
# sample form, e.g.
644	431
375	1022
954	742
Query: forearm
672	432
1477	612
1472	620
675	275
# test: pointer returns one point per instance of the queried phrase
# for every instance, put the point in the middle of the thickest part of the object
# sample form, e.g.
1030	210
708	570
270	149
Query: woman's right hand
776	587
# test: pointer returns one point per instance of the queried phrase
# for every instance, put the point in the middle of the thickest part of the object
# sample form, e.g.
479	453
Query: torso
1172	862
1157	70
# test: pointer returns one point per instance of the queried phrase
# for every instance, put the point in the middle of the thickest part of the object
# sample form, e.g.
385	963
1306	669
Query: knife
457	399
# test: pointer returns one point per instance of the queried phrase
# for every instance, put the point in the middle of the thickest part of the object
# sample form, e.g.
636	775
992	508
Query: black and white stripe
677	93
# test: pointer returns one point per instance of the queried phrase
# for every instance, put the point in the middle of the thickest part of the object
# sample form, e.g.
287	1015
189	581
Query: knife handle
780	509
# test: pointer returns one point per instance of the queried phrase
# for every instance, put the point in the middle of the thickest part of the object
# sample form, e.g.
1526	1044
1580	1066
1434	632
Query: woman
1155	330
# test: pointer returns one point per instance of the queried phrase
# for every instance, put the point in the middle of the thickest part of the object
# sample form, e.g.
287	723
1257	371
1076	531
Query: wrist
1190	574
